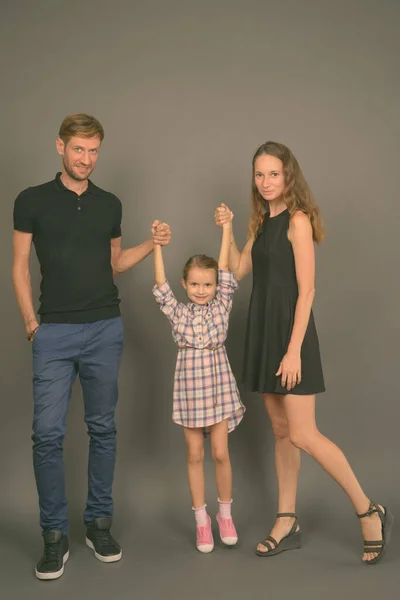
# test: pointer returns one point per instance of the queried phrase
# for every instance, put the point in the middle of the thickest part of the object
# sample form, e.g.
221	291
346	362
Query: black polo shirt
72	237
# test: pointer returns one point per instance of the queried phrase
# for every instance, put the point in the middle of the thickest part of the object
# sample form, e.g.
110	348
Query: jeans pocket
38	334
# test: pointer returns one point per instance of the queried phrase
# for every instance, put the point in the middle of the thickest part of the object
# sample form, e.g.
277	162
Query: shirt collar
91	188
197	307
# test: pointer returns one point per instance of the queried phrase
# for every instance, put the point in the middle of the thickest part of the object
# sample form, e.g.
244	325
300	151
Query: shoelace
52	552
104	537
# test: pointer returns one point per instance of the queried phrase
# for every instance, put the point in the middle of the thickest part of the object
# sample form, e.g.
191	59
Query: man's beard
75	176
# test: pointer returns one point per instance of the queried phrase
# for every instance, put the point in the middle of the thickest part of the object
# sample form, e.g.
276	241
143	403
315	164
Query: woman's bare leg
304	434
287	461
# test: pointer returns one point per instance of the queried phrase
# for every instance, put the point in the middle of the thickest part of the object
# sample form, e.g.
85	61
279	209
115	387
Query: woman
282	359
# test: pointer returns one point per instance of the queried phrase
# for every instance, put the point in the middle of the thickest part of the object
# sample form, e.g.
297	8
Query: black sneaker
56	553
99	539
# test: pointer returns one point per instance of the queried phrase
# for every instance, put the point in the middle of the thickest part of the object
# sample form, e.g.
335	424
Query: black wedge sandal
291	541
387	520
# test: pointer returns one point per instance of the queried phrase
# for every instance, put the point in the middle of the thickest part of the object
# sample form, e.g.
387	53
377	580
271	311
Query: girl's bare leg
220	454
195	458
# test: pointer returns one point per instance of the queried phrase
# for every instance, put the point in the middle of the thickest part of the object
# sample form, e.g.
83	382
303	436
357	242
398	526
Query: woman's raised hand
223	215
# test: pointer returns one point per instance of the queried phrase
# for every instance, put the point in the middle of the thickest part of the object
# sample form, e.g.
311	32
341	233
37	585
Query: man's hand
31	326
160	233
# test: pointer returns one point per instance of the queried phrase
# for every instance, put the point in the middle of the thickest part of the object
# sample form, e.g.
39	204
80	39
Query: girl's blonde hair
297	194
202	261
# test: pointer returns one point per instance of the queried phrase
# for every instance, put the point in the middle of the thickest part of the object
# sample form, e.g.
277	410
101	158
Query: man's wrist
31	320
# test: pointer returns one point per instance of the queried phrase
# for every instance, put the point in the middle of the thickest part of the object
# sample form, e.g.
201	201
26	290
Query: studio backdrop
186	93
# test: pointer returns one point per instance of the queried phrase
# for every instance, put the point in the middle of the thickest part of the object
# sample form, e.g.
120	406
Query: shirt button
79	208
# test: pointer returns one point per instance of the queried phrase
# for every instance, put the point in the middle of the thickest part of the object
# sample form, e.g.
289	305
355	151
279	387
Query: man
76	229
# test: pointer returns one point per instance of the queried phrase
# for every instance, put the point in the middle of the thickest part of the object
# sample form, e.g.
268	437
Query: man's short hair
80	125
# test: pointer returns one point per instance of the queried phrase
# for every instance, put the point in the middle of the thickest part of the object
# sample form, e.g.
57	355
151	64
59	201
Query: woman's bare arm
240	263
300	236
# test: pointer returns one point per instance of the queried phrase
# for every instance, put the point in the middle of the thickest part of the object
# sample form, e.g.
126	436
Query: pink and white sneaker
204	537
227	530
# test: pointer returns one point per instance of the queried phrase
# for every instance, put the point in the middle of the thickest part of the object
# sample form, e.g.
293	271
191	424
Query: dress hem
239	414
291	393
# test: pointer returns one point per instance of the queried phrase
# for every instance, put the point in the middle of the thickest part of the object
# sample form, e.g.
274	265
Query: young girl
205	390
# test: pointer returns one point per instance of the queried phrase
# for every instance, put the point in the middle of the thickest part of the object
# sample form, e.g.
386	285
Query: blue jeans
60	352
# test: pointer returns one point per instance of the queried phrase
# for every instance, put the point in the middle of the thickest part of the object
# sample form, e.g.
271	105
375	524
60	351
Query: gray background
186	92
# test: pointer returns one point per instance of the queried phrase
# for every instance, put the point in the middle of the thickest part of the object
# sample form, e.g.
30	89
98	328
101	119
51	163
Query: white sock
225	509
201	516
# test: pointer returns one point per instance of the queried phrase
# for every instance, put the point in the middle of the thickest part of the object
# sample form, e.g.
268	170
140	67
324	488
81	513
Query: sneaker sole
54	575
106	559
205	548
229	541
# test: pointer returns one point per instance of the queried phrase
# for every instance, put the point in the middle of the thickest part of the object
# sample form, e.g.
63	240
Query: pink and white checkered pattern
205	390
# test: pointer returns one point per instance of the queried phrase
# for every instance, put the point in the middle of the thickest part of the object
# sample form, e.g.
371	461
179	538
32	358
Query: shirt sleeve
116	230
227	286
23	213
169	305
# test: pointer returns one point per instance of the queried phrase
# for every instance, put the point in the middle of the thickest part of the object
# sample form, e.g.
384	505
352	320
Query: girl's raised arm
240	263
159	270
223	261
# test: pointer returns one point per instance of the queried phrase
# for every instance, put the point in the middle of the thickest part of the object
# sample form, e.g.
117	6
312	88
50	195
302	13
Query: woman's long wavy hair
297	194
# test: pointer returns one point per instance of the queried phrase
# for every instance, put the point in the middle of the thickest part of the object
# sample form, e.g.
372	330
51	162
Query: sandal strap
267	545
294	526
294	529
373	508
375	546
273	540
378	543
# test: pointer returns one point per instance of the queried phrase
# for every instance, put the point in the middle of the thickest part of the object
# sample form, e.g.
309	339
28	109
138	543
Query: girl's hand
160	233
290	369
223	215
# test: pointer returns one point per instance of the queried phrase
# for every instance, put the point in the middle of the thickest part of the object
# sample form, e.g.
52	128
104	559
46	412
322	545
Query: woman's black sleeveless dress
271	315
